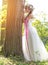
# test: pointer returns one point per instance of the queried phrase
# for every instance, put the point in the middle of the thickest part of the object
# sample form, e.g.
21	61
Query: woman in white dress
32	46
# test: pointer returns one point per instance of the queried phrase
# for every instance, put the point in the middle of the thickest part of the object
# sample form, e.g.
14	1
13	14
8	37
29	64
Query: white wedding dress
34	50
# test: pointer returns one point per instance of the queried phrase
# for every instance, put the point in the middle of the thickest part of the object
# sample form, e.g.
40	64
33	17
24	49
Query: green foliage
3	15
42	31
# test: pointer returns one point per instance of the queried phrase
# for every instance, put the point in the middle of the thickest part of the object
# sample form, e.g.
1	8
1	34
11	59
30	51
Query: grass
17	60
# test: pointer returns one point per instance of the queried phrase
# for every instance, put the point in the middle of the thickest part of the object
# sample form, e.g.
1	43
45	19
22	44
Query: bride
32	46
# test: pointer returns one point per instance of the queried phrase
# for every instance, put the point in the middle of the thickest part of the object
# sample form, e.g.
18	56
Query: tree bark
13	41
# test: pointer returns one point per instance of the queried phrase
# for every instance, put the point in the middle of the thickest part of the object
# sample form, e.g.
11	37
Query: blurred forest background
42	28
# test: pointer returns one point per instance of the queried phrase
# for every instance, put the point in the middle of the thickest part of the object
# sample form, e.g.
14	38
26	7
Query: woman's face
26	12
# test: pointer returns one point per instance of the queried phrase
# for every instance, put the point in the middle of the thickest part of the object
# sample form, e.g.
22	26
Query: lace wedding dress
34	49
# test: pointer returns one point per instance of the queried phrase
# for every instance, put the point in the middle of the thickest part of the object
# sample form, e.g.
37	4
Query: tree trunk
13	41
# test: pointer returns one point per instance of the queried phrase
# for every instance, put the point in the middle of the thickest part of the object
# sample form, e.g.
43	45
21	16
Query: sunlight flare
0	4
